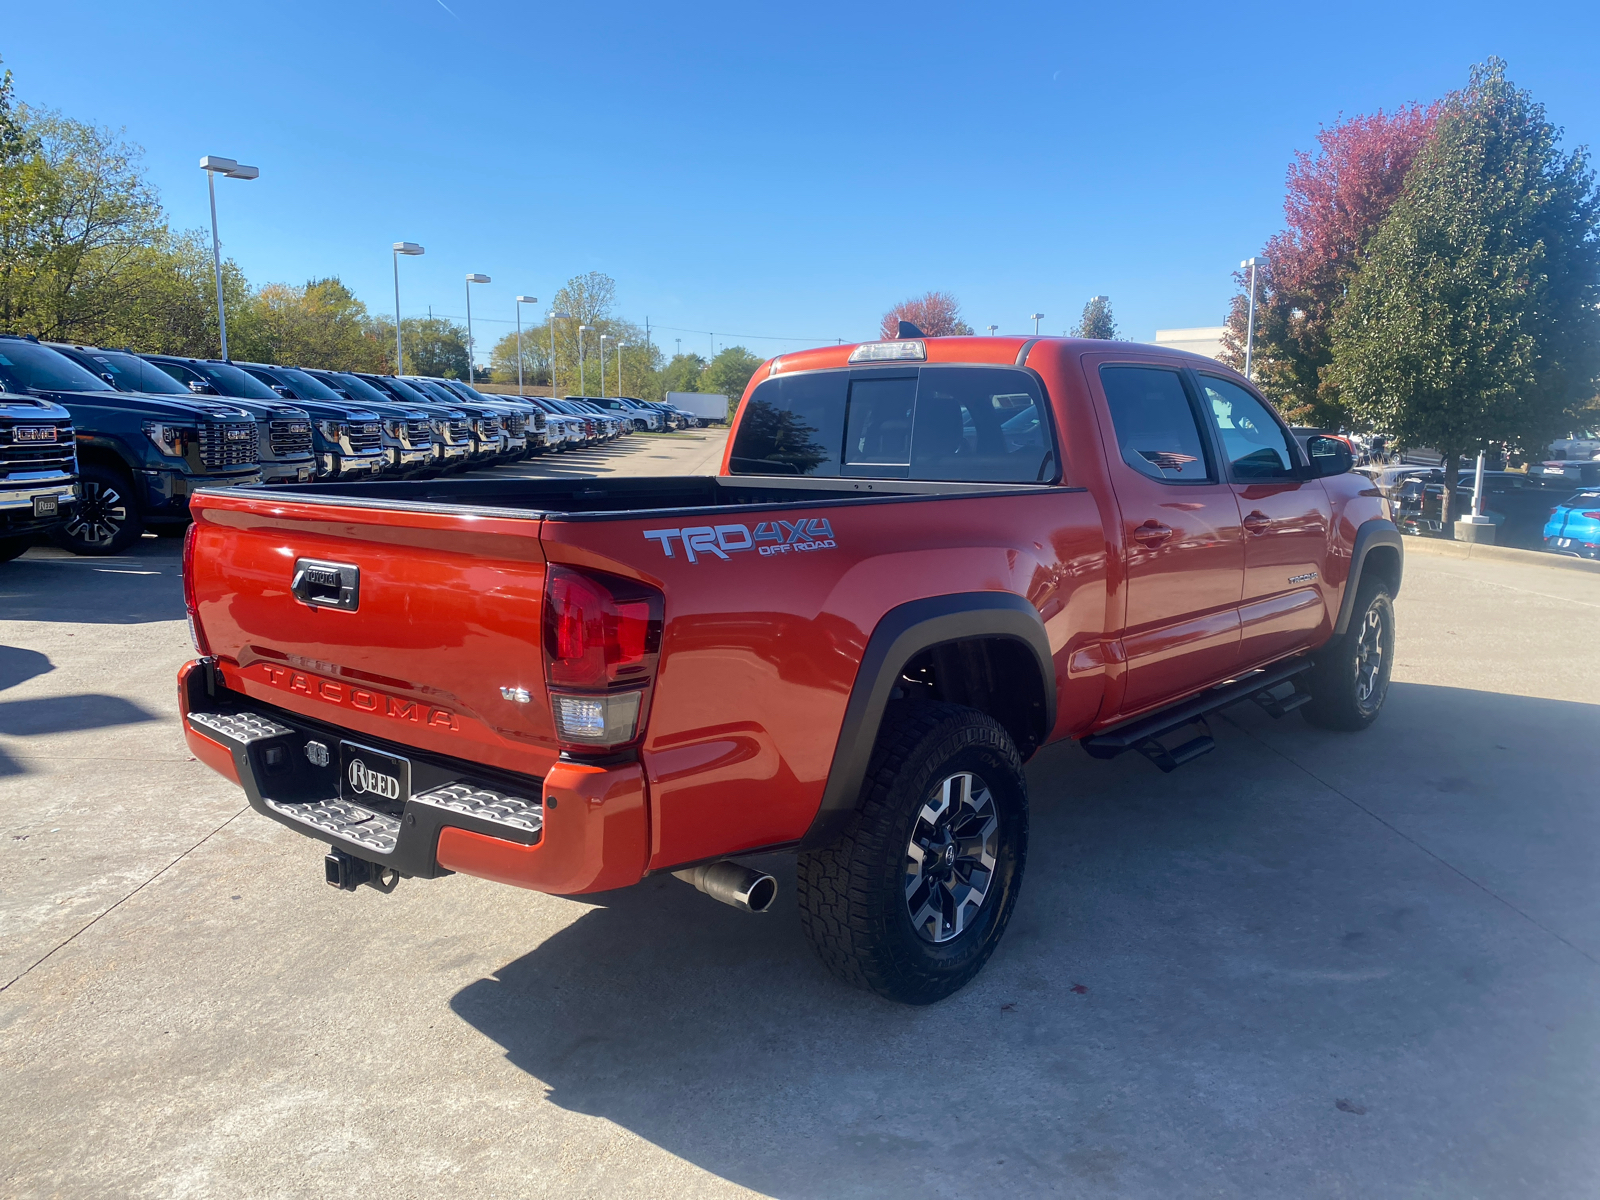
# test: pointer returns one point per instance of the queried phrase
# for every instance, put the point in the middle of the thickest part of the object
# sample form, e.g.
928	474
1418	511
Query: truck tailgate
448	613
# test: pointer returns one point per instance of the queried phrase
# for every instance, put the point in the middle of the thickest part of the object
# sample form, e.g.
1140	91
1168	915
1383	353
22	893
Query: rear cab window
980	424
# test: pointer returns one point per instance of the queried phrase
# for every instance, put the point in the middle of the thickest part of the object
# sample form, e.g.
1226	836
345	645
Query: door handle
1152	533
1257	522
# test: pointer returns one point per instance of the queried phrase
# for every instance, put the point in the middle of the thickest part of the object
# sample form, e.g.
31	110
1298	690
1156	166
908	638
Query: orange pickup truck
923	559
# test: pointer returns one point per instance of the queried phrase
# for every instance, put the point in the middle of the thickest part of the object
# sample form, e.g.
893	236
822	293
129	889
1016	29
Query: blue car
1574	526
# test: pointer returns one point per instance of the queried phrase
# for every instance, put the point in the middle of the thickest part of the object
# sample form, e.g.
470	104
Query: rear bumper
580	829
1576	547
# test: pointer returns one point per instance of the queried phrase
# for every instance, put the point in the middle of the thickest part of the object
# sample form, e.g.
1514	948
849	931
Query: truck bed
618	496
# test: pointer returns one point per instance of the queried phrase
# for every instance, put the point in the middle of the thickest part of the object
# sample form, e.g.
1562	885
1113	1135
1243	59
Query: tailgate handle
326	584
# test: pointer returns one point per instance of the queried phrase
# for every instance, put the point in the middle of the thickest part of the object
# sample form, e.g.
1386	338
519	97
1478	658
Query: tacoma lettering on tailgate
346	695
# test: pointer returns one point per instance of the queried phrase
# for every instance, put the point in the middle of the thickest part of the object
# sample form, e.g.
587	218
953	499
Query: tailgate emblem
517	694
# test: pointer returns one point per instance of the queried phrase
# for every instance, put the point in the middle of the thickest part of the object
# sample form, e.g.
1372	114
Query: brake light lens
1593	516
602	636
889	351
191	605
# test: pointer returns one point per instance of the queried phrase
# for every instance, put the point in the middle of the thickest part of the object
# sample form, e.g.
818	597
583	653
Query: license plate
1563	542
369	777
46	506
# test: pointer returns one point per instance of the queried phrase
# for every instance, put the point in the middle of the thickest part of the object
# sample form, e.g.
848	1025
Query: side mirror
283	391
1328	455
201	388
109	378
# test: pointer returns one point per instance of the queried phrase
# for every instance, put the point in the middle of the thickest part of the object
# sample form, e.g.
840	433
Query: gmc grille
290	438
456	433
516	424
56	454
419	433
229	444
365	437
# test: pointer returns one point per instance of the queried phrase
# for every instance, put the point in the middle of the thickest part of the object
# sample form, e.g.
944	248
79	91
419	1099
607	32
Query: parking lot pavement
1308	964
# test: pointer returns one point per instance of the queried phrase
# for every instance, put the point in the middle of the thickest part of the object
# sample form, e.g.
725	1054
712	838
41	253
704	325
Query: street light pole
621	346
1250	321
472	346
992	329
1035	318
211	164
604	338
400	248
582	329
521	300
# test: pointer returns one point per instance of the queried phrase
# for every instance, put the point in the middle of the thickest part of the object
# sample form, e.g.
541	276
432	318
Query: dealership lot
1307	964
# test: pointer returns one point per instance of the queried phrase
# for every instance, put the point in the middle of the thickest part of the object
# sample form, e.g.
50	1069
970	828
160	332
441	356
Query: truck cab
38	470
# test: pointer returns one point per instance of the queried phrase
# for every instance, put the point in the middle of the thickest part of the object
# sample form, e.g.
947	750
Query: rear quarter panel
760	652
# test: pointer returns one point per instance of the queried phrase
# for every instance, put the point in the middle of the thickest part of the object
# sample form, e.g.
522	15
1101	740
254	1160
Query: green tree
1473	315
75	213
1096	321
1336	199
683	373
433	345
729	372
319	325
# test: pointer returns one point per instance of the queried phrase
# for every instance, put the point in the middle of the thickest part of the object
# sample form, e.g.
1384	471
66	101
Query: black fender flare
904	632
1376	532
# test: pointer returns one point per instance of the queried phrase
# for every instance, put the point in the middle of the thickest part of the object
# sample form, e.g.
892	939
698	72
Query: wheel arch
1378	548
991	653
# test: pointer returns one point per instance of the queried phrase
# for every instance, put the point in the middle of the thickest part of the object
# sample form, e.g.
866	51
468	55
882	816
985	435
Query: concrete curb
1440	548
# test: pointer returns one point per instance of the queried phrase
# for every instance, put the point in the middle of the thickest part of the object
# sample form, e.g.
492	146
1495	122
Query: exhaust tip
732	884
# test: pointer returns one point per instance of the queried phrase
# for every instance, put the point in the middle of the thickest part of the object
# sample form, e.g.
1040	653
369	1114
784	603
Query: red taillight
1593	516
602	635
191	605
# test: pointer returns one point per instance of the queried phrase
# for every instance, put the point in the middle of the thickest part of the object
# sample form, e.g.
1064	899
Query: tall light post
553	316
472	278
521	300
1035	318
582	329
213	165
621	346
992	329
1250	321
407	248
604	338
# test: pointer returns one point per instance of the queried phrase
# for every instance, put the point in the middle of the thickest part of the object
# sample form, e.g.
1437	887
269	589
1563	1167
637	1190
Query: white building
1206	339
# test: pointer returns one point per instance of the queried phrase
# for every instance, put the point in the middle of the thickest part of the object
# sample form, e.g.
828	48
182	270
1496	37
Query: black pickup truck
38	470
140	457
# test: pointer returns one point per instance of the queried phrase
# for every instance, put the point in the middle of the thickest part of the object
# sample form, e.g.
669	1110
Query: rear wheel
106	518
911	900
1350	680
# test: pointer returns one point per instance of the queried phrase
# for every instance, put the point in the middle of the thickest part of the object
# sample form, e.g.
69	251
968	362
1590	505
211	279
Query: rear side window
938	423
792	425
1157	431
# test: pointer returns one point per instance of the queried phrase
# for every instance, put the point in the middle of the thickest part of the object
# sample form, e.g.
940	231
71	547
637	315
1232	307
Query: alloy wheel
1370	660
101	514
950	859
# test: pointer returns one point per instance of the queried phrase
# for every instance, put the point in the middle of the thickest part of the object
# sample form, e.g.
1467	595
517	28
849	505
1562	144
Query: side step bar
1144	734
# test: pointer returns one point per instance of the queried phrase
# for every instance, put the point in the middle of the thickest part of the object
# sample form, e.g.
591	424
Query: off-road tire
93	526
852	892
1344	692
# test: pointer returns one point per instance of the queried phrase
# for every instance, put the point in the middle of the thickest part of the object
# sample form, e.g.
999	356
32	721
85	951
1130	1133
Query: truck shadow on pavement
1284	970
145	584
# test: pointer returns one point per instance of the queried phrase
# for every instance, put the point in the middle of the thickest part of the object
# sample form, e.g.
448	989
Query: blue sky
751	169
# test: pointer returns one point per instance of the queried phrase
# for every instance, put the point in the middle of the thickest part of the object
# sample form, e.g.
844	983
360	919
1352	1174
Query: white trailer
708	406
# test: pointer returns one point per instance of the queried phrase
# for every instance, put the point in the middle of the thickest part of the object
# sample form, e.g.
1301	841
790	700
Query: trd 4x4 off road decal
770	537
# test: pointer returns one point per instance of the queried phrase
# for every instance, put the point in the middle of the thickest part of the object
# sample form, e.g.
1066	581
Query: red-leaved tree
937	314
1337	196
